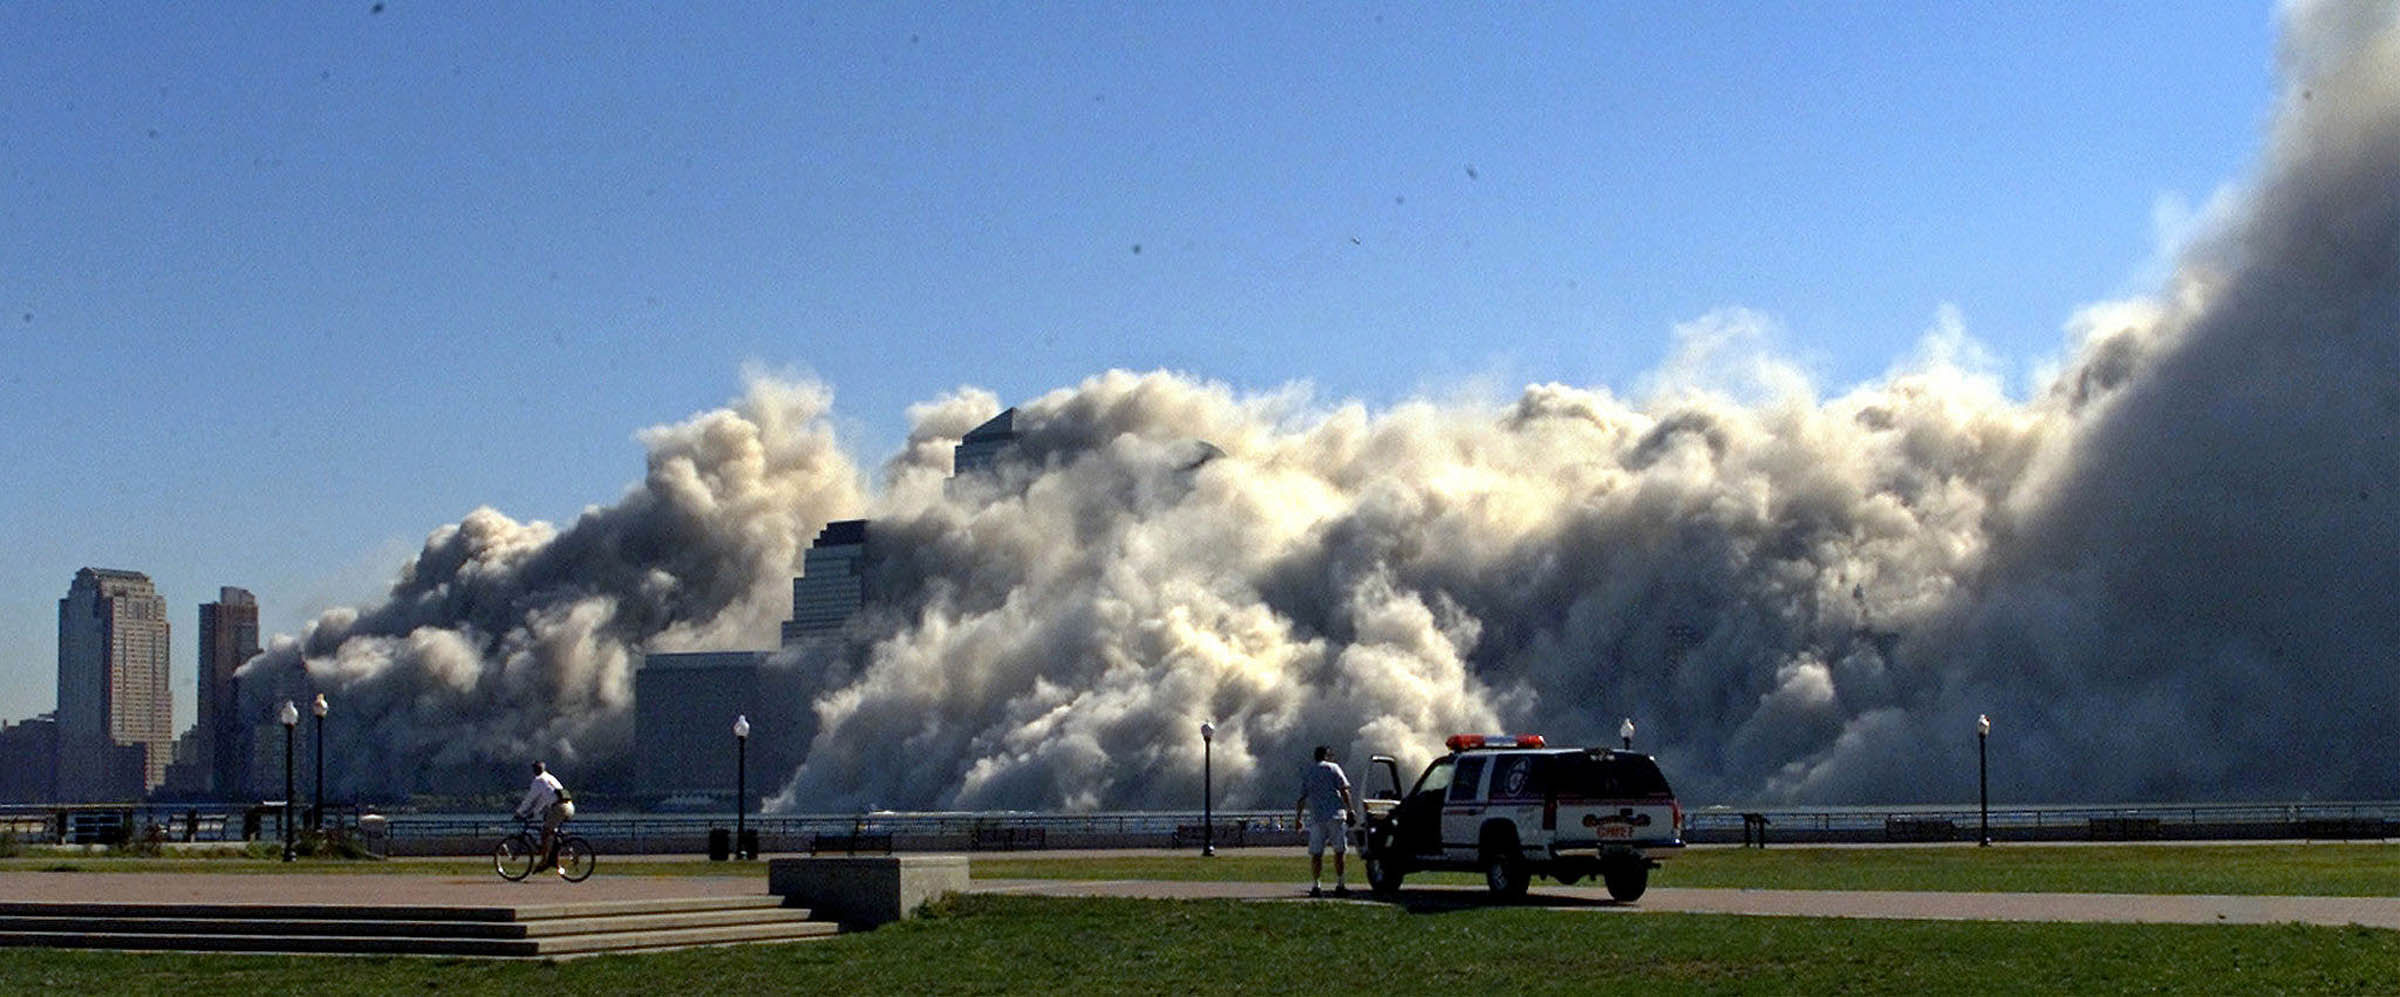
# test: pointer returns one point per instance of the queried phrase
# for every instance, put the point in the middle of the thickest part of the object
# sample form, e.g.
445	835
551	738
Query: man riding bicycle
549	798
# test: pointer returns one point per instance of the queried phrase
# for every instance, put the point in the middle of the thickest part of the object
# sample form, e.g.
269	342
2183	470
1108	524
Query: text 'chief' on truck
1512	808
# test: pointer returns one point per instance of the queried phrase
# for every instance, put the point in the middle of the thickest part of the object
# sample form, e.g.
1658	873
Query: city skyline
292	290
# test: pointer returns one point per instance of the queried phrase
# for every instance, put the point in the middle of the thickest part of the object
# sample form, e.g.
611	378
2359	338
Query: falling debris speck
1471	174
1137	249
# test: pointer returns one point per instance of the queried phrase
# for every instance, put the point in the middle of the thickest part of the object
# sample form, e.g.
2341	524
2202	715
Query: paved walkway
2379	912
346	888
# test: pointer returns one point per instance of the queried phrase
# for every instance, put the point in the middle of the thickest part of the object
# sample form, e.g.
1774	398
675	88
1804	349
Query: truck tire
1503	865
1382	876
1626	881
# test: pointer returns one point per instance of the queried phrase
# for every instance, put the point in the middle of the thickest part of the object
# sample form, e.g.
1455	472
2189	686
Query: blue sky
285	287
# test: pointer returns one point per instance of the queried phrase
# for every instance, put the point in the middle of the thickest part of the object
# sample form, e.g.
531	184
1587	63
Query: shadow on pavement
1441	900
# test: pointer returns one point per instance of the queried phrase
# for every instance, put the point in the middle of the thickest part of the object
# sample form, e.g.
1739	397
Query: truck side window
1436	779
1470	777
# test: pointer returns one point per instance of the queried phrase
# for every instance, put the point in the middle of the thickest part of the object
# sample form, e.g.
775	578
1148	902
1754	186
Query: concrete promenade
401	887
2133	908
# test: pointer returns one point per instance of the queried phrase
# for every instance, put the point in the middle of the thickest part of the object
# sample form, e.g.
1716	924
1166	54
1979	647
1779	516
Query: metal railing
2143	821
642	833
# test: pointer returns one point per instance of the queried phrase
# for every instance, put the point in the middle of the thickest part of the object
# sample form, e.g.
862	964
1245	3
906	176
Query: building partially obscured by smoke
832	585
685	703
116	714
985	445
228	640
685	706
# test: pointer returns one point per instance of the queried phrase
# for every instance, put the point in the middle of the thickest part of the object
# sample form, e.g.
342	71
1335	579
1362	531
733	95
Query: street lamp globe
318	707
289	715
1983	725
1208	731
1625	732
741	726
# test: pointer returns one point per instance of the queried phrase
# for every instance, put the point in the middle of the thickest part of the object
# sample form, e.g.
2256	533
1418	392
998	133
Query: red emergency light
1470	742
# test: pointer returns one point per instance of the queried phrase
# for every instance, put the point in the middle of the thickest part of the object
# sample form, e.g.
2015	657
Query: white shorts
1322	831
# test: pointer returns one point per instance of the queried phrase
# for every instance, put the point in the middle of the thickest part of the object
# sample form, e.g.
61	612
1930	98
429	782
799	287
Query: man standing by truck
1324	808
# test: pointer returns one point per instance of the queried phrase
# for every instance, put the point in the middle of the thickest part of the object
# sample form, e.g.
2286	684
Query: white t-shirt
541	794
1321	788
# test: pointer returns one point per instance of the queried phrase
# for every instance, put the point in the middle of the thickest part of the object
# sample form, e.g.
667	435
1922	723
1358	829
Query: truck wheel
1381	876
1503	868
1626	881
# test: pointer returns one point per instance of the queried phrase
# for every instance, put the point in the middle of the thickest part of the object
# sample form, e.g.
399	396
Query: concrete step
572	944
353	928
538	930
372	911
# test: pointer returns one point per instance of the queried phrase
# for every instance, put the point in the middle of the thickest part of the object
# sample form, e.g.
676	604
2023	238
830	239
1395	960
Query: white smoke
2169	573
503	641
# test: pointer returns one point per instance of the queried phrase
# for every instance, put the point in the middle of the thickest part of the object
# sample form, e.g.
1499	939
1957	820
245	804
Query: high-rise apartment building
116	714
228	639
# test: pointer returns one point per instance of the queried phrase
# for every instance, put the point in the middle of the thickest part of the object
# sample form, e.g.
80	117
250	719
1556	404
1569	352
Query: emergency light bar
1470	742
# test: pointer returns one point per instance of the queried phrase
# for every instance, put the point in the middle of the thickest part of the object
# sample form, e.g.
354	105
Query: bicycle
513	858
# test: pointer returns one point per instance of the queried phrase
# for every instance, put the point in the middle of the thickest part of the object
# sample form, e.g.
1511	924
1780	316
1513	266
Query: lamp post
289	717
1983	776
1625	733
741	781
1208	815
317	809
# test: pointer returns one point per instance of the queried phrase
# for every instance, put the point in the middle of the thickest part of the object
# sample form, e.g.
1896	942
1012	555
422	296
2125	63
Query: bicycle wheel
512	858
575	859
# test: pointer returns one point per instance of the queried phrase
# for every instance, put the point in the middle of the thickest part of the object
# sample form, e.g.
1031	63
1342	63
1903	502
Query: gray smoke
2170	574
503	641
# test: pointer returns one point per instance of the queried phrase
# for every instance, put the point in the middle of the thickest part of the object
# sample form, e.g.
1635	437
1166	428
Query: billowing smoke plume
2171	573
504	641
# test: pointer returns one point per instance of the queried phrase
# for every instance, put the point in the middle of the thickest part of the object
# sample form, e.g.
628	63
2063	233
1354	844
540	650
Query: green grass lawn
2354	870
996	944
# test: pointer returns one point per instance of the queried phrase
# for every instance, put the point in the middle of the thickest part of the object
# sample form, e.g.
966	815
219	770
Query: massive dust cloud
2167	574
504	641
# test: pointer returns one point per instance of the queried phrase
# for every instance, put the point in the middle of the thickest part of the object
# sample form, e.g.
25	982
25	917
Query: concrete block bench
863	891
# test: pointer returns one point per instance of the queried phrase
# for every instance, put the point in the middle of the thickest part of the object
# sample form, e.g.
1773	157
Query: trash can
748	843
720	841
375	834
